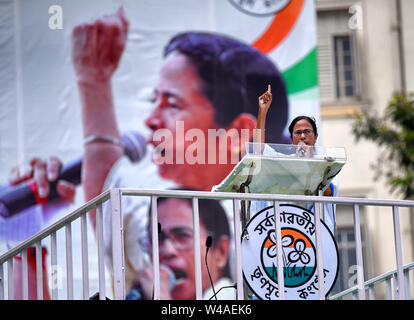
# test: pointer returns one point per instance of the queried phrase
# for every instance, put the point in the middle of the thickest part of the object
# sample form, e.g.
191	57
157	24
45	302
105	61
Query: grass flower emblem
299	253
287	240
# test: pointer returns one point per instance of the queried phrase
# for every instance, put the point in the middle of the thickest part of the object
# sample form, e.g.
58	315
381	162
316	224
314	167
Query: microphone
209	242
14	199
301	151
136	292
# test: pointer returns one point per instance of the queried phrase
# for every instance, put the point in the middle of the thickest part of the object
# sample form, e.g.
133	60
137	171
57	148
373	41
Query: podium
277	169
281	169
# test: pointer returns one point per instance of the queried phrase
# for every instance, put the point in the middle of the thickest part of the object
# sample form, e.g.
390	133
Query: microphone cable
225	287
209	242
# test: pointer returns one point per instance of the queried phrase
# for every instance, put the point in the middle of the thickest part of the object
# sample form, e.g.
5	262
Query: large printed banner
185	68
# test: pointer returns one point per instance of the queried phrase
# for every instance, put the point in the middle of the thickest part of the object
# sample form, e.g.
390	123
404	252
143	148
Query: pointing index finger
269	88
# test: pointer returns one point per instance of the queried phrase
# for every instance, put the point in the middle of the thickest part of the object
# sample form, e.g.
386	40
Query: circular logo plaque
260	7
300	270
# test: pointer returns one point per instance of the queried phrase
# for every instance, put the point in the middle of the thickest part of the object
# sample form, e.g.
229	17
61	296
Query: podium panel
279	170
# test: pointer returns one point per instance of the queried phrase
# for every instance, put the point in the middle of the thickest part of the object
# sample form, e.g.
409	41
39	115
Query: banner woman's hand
42	173
97	47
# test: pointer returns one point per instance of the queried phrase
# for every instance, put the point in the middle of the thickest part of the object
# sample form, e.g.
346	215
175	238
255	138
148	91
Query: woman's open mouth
180	275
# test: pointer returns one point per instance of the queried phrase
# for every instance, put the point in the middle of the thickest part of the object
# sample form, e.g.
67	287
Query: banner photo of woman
140	94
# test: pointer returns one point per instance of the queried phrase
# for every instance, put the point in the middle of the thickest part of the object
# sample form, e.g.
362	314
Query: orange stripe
279	27
268	243
296	235
291	232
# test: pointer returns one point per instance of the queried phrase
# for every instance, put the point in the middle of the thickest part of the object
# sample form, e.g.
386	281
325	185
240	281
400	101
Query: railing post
395	286
101	251
407	284
278	234
237	244
371	291
85	267
25	275
1	282
155	252
398	253
69	262
359	258
118	259
39	270
319	253
388	289
54	265
10	277
197	253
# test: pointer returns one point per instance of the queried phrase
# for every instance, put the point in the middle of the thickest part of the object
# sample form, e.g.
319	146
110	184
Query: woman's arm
96	51
265	101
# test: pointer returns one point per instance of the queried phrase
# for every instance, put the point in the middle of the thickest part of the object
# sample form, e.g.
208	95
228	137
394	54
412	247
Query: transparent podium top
285	169
296	151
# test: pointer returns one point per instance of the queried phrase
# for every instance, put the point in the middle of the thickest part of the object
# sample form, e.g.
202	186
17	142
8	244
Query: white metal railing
384	278
51	233
401	275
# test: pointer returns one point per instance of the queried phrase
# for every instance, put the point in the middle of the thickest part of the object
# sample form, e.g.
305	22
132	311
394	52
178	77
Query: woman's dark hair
212	216
311	120
234	75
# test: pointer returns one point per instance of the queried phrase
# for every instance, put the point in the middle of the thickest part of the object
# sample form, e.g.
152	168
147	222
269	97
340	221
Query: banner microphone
301	151
136	292
14	199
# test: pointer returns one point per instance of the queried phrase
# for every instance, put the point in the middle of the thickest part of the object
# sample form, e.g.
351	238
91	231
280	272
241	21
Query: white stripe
300	40
212	15
19	83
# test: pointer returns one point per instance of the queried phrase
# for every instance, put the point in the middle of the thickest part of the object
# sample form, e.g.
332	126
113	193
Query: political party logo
260	7
300	270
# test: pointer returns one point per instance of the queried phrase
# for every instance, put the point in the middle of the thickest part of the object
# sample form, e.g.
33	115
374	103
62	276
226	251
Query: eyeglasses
306	132
181	237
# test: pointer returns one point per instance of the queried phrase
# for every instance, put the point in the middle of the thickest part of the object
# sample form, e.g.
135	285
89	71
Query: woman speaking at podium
304	134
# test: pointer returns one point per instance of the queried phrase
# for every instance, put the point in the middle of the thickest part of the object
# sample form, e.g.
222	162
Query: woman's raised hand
97	47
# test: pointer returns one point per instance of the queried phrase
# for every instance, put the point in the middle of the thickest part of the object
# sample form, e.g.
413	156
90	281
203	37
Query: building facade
365	54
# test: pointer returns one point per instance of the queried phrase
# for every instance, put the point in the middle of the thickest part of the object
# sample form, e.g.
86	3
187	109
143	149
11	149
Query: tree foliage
395	132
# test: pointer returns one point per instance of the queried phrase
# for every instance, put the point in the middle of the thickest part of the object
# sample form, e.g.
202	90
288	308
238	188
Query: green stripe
303	75
308	94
